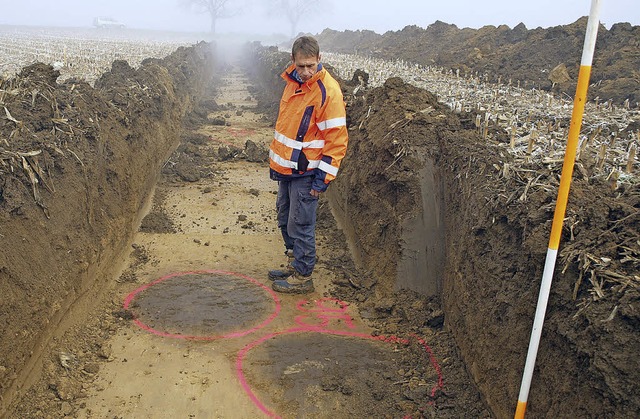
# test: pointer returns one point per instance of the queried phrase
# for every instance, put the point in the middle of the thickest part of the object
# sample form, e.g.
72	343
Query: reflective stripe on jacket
311	133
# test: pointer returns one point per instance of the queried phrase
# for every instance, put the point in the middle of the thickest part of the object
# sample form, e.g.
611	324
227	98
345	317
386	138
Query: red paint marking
321	307
240	132
434	362
221	141
243	380
150	329
321	310
303	321
323	313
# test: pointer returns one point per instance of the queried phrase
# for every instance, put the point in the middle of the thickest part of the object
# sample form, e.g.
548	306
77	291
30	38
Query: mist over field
251	16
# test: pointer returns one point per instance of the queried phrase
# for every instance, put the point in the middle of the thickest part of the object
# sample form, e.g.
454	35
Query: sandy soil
191	327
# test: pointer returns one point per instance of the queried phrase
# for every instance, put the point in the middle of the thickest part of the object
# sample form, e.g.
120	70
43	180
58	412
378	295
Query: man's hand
315	193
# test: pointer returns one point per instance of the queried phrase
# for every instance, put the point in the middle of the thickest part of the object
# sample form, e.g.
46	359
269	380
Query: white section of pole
592	34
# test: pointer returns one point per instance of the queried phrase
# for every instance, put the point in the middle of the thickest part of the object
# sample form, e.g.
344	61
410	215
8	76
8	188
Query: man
309	142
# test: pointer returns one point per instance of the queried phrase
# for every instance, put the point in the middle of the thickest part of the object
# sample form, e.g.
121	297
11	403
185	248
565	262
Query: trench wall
417	194
490	256
60	251
416	198
413	257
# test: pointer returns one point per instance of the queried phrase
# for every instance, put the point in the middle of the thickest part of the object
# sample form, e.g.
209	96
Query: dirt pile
76	164
517	55
411	158
268	88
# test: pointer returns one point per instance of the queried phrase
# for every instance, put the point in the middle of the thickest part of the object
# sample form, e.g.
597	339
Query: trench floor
209	337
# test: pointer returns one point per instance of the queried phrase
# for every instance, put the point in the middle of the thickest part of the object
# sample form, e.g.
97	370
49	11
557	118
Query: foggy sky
339	14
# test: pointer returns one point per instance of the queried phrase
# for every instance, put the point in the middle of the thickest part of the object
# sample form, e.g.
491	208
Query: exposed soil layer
544	58
495	247
213	207
77	165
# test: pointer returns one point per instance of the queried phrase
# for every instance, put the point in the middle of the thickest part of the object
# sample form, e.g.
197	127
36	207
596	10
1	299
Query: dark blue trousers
297	221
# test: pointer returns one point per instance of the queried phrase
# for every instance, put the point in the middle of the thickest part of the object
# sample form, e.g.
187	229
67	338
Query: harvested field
137	225
539	58
83	54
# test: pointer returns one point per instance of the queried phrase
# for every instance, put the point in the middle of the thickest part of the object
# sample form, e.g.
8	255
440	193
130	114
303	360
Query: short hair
307	46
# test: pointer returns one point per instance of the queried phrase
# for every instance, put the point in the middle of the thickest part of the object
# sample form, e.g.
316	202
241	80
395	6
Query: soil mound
269	84
511	55
76	163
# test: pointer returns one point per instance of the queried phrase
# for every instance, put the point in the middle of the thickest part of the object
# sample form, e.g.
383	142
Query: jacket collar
291	74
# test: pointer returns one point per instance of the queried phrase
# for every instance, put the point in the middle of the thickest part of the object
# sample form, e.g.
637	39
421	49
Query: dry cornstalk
584	144
596	285
505	171
11	118
532	139
523	197
32	178
594	134
602	154
631	158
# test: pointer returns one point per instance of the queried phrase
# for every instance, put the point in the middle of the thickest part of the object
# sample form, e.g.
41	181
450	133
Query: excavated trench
433	257
420	256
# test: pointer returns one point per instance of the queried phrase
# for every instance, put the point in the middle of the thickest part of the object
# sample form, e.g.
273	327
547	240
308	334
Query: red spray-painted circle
314	329
129	300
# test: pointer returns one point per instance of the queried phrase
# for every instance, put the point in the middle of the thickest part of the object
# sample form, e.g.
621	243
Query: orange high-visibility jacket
311	132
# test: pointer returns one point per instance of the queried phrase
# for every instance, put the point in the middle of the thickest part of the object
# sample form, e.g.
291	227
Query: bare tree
216	9
294	10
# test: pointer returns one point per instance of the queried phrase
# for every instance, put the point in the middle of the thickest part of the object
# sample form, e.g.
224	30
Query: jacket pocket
303	163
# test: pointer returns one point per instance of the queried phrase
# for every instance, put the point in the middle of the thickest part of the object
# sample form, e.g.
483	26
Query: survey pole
561	203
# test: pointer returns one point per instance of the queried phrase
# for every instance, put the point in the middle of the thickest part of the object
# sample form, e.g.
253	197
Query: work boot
295	284
283	273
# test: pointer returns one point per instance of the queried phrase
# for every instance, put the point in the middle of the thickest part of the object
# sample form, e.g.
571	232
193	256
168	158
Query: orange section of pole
520	409
570	156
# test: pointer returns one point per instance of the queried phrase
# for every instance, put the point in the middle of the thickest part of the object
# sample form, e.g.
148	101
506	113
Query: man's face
306	66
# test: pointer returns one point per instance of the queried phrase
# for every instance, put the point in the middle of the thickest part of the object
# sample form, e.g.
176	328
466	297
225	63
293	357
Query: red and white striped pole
561	203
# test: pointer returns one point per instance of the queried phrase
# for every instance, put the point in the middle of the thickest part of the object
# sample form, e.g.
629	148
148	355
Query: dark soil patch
366	378
205	305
